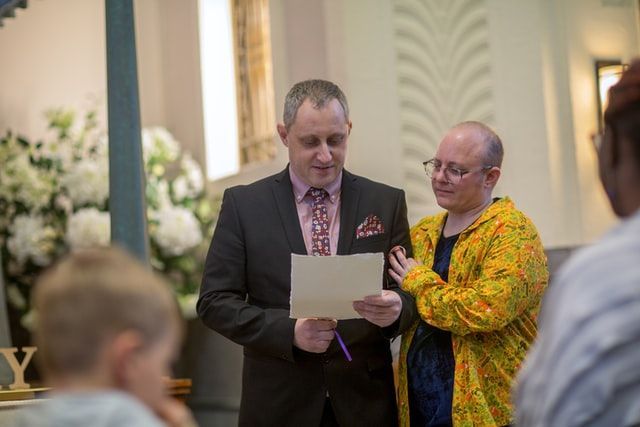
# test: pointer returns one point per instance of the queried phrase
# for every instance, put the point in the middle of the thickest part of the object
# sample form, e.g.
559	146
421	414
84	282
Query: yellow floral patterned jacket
497	275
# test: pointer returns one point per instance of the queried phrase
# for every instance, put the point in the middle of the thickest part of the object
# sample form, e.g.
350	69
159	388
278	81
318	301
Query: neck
458	221
623	179
86	382
627	189
629	203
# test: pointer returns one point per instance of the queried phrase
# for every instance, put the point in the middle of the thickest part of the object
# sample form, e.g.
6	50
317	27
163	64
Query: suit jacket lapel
349	195
283	193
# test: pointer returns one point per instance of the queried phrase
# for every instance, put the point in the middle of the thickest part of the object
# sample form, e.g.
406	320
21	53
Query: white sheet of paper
326	286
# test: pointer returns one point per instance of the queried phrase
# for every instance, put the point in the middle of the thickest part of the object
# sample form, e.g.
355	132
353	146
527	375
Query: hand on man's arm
383	310
400	265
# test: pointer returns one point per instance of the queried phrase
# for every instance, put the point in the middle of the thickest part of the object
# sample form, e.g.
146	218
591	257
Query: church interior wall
410	70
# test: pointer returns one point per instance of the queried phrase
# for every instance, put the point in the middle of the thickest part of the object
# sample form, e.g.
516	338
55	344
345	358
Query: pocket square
371	226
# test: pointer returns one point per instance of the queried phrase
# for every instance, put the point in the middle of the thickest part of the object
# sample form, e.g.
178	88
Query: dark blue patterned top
430	359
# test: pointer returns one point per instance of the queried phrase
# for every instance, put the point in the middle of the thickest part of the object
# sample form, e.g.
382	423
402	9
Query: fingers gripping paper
326	286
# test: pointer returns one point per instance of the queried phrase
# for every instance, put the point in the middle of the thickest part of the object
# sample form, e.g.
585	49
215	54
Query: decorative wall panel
444	77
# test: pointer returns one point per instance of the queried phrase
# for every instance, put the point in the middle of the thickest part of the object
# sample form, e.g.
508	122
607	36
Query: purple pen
344	347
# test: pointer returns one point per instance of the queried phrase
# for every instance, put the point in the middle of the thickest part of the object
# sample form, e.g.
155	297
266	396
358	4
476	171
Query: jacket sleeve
509	279
400	236
222	304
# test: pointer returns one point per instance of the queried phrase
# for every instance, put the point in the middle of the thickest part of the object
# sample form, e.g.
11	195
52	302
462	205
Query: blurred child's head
105	321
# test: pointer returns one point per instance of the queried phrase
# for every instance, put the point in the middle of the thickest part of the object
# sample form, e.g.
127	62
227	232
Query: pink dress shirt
303	205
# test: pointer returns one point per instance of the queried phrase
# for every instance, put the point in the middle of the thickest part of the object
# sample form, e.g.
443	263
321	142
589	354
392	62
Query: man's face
317	142
460	150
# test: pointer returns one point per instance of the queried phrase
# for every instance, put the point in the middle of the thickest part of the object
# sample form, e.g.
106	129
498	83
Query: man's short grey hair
493	145
319	92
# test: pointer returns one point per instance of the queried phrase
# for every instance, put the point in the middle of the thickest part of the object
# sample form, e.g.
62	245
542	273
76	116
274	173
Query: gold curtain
254	79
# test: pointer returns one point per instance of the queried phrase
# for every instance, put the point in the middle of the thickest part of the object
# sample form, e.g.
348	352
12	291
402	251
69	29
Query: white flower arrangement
87	182
54	197
23	184
31	240
88	228
177	230
159	146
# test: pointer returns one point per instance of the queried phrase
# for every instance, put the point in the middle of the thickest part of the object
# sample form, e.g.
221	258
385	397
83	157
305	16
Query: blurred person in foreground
478	274
107	330
294	371
584	369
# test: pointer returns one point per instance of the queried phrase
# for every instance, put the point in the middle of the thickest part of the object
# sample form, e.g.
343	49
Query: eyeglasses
451	174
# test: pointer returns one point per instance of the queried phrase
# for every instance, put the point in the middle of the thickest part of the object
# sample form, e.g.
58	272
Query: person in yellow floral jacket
478	276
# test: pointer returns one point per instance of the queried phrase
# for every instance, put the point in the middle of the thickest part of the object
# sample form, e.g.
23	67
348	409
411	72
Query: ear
350	125
492	176
282	131
123	351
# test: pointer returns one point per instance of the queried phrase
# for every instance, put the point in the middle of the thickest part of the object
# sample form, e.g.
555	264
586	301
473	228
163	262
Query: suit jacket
245	297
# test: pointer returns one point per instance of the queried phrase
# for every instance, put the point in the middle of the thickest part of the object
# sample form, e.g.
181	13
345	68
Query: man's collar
300	188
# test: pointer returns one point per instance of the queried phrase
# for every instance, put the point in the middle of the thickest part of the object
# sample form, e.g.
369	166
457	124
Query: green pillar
126	171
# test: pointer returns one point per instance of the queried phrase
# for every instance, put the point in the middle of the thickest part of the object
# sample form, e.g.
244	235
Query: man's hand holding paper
326	286
338	287
314	335
381	310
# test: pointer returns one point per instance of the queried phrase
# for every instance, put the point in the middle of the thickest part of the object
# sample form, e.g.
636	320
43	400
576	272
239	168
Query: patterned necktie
319	223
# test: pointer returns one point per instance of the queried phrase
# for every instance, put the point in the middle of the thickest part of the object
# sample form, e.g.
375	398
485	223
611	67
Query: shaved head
492	145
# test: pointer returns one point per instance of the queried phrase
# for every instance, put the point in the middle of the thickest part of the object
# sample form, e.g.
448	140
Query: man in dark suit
295	373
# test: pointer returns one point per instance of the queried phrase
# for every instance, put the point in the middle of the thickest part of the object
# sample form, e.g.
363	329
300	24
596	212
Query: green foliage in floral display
54	197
